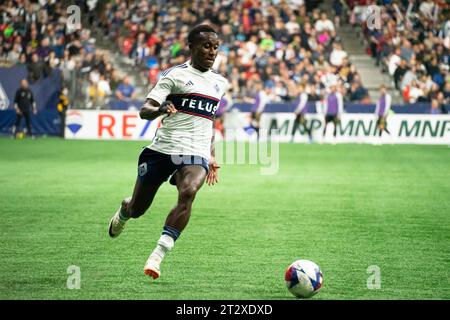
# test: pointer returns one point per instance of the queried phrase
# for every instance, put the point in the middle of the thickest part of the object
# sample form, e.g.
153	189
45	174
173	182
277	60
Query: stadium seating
288	44
412	46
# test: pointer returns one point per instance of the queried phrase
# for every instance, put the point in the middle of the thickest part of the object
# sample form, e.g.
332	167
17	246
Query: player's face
204	50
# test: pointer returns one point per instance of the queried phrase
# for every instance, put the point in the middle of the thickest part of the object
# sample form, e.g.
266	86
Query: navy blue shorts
155	167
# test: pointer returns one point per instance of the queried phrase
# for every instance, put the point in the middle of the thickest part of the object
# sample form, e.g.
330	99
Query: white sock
165	244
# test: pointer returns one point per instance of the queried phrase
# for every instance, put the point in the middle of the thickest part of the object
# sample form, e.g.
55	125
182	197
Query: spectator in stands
125	91
43	50
14	55
435	107
53	62
35	68
103	86
399	73
74	47
446	92
67	66
338	8
406	49
24	104
59	47
394	61
90	46
114	81
98	92
92	95
88	64
324	24
442	102
292	26
358	93
414	92
338	55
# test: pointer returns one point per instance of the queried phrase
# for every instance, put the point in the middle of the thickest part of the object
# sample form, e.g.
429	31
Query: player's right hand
213	175
167	107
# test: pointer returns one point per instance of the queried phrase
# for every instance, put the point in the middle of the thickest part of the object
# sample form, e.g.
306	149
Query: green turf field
346	207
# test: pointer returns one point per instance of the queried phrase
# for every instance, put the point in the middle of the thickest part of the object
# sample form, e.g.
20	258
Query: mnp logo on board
110	125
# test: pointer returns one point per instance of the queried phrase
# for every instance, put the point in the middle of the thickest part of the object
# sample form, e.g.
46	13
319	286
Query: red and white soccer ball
303	278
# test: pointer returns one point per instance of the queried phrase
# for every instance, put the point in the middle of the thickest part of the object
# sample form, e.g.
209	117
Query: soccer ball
303	278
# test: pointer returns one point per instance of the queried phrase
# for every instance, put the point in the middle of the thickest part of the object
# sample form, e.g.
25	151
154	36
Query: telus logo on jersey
195	104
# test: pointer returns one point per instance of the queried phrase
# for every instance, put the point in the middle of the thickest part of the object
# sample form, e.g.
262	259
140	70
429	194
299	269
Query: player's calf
131	210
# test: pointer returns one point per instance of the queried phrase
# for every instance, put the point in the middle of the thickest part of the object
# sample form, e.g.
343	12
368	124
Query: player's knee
188	192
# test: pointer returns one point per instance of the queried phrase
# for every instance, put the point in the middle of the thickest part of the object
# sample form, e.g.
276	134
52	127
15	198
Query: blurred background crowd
412	45
119	48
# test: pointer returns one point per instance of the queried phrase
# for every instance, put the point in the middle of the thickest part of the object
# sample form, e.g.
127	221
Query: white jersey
196	95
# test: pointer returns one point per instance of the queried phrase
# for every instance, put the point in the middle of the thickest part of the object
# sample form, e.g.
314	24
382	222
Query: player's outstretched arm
152	109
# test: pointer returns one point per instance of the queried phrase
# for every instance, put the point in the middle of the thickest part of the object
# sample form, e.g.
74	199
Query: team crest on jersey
142	169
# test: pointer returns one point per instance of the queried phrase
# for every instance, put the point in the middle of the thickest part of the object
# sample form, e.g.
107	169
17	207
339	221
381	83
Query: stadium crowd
412	44
36	34
284	45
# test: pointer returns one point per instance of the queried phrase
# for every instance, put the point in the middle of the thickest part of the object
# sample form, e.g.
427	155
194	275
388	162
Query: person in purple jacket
382	110
334	106
262	98
300	111
225	104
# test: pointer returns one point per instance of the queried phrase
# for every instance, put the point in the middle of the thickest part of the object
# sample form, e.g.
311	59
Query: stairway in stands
122	63
355	45
371	74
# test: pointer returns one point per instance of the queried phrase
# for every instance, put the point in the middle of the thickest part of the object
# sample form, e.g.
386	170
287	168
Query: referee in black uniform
24	103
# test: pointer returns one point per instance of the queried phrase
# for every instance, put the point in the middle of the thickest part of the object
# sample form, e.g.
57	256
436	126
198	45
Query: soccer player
300	113
382	110
263	96
334	106
187	96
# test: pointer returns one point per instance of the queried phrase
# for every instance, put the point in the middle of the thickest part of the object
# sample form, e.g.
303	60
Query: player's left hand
167	107
213	175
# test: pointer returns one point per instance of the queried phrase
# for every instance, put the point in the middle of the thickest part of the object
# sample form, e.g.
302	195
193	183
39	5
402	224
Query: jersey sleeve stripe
182	66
